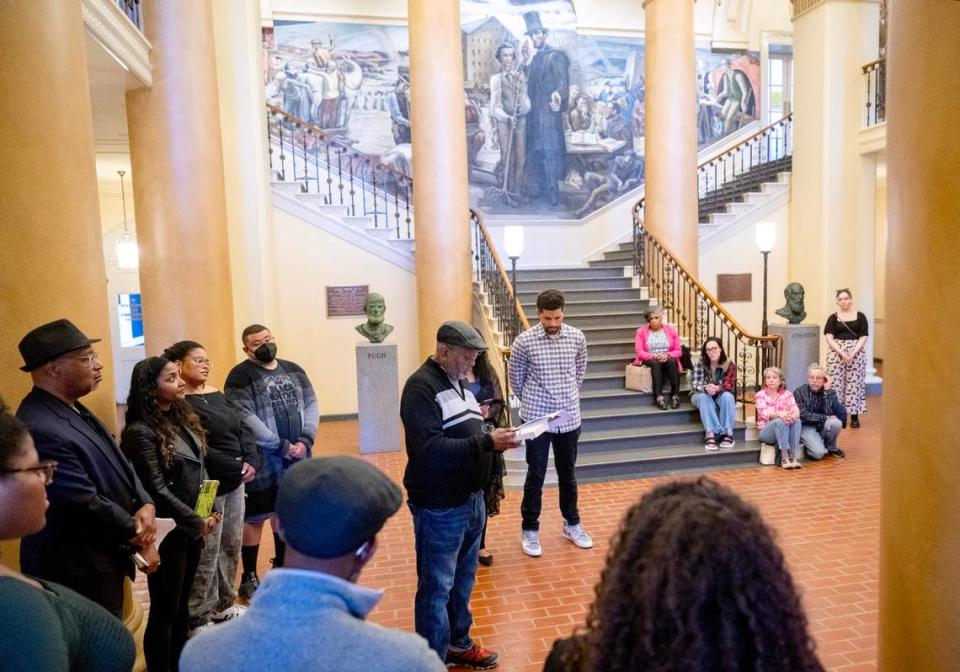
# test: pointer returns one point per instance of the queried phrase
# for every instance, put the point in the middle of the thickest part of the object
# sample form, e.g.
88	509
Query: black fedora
49	341
532	19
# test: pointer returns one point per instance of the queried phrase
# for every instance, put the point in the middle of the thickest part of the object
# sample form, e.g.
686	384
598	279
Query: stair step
573	282
645	463
643	415
571	308
612	263
609	333
623	348
553	273
586	295
625	255
288	186
667	436
611	319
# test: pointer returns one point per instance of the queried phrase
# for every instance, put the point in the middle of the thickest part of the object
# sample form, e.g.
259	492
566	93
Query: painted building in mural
555	118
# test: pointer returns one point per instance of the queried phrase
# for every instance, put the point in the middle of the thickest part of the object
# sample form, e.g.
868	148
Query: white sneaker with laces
530	542
577	535
231	612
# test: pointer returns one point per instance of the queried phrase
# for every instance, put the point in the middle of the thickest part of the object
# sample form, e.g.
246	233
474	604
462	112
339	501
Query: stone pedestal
801	348
378	398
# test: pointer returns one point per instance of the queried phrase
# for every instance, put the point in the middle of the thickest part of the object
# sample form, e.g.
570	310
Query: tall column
178	185
671	141
833	202
440	196
238	37
53	263
920	505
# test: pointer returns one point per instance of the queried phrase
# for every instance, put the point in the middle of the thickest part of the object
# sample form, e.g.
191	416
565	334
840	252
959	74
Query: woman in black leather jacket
164	440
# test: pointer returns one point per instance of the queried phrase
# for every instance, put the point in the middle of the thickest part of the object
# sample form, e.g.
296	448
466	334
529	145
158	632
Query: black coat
174	487
93	497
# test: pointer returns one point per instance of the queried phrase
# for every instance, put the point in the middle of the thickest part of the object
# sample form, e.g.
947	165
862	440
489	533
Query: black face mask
266	353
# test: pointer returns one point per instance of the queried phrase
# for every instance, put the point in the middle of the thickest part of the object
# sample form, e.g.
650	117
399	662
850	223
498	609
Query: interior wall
308	260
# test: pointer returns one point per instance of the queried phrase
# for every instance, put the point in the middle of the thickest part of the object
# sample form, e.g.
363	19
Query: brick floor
825	516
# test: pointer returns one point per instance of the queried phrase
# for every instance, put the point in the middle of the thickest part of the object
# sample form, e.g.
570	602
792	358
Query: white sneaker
530	542
231	612
577	535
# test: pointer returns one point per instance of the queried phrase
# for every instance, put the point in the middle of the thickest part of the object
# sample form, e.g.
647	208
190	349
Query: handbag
638	378
768	454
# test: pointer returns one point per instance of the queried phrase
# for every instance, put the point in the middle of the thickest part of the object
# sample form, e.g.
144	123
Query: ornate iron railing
697	314
325	165
876	75
745	166
490	272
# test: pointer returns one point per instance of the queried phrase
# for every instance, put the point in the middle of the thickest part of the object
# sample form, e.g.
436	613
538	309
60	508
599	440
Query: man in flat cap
99	512
308	615
449	458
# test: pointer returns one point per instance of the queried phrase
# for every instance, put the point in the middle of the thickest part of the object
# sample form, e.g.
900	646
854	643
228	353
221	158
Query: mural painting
555	120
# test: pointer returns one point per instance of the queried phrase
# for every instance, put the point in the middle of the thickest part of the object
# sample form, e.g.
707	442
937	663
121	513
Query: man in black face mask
280	407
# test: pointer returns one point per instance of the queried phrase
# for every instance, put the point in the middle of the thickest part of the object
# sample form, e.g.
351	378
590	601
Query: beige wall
309	259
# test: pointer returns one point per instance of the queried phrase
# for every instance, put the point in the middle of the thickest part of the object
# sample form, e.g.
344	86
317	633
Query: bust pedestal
801	348
378	398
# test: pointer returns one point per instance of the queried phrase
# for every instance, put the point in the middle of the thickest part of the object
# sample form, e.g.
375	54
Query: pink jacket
767	404
641	345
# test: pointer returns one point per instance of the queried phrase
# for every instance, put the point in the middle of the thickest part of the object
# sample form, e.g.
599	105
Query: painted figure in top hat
548	88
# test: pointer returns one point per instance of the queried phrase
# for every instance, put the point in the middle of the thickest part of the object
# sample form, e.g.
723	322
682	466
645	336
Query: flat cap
49	341
455	332
330	506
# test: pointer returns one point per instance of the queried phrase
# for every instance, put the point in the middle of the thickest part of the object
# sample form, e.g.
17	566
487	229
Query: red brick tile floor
825	517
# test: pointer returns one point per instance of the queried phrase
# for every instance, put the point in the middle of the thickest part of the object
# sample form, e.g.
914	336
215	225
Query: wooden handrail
750	138
873	65
500	267
326	137
731	320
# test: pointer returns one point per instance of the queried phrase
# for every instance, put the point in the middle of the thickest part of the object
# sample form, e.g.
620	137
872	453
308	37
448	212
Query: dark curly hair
694	581
12	434
142	407
484	372
179	350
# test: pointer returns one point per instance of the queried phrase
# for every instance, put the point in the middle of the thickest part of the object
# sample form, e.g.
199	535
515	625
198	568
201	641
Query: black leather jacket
174	488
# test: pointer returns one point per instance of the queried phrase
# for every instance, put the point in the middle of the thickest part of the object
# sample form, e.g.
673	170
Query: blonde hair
776	370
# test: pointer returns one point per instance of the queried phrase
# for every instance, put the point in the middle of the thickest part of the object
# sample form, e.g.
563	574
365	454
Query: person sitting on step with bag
658	347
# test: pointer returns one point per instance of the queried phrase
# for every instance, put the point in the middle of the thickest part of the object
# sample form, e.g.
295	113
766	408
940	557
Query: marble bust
793	311
374	329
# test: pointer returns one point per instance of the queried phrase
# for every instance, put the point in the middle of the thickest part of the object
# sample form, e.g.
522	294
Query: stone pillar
53	263
239	50
178	184
833	202
440	197
920	505
671	141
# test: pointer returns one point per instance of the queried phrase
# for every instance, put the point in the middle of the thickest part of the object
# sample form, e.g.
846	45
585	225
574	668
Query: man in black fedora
548	85
99	512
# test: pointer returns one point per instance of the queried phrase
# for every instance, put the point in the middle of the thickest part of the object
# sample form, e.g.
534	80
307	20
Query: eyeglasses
712	348
87	359
46	467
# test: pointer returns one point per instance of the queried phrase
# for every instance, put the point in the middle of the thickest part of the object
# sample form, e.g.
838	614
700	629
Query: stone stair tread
640	411
652	453
647	432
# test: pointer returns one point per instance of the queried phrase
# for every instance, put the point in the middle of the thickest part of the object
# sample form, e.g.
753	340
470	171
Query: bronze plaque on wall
734	287
346	300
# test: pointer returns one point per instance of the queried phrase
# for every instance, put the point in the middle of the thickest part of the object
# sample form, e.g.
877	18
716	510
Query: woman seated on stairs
658	347
712	383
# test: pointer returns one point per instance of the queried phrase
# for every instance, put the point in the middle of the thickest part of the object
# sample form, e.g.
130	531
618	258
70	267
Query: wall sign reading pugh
346	300
734	287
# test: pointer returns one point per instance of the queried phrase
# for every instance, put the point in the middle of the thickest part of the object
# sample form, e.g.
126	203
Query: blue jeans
447	543
819	443
783	436
716	413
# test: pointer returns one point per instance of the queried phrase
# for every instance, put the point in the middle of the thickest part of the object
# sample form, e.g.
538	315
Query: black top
54	629
842	330
230	442
449	456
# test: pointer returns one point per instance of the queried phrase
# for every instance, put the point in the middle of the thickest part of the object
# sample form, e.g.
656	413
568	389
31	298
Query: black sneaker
249	583
476	658
837	452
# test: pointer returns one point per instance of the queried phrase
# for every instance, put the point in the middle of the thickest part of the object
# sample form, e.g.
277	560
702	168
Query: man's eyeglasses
87	359
46	467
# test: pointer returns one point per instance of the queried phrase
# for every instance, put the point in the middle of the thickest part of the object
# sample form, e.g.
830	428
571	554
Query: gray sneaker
530	542
577	535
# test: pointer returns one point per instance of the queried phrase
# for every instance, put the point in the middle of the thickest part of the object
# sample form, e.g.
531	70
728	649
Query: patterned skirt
849	380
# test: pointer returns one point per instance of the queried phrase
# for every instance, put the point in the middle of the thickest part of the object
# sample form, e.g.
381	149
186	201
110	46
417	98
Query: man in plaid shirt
547	365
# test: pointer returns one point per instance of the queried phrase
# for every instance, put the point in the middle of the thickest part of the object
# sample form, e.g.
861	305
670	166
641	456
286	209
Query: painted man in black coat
99	512
548	86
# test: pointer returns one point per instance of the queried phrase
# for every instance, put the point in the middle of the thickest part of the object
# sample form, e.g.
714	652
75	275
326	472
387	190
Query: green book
208	493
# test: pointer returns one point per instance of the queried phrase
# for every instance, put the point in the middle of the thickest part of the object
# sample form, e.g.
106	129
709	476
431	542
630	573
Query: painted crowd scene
555	122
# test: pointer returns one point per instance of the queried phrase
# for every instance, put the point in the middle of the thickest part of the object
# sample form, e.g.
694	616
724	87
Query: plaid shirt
698	376
546	373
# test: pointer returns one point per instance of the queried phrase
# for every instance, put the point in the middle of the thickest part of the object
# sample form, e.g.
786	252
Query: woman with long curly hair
166	443
694	582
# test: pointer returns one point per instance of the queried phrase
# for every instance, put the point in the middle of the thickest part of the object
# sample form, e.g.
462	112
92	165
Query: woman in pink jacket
658	347
778	417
